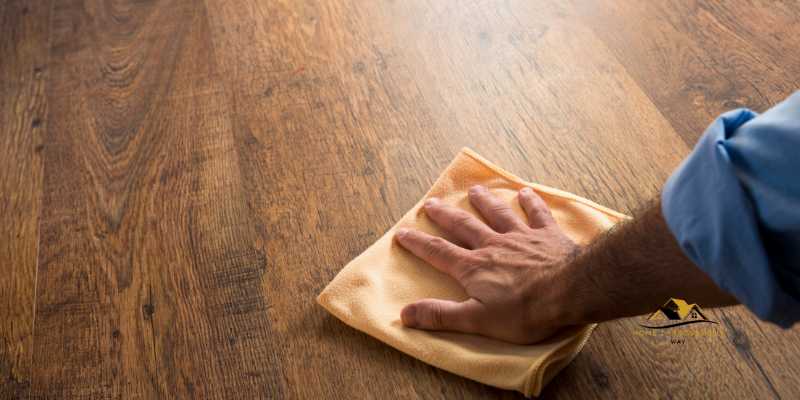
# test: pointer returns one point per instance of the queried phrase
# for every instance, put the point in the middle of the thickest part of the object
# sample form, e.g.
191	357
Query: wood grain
709	56
149	275
24	31
194	173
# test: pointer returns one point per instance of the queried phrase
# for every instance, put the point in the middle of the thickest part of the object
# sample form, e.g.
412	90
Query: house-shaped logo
675	312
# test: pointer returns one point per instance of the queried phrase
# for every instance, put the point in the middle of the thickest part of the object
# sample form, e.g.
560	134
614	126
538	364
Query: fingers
498	214
443	315
463	226
438	252
536	209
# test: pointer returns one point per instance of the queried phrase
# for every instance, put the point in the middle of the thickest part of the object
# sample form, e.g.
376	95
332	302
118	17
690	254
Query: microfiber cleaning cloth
369	292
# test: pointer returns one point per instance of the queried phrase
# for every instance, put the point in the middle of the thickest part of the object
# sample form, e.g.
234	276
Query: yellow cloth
370	291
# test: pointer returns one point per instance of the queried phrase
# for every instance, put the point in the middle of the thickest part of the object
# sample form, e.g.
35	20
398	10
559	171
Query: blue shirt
734	207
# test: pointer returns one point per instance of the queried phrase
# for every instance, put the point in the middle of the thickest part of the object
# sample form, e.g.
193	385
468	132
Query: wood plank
149	277
24	29
698	59
528	85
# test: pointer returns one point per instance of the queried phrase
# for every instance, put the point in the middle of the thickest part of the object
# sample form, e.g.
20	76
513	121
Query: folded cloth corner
369	292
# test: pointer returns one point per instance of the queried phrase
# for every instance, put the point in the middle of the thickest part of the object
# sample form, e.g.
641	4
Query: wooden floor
179	179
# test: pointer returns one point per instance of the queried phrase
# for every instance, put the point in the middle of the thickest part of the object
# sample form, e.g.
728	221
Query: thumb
443	315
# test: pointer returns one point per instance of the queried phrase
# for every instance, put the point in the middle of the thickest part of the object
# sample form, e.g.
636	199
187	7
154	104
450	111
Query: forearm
632	269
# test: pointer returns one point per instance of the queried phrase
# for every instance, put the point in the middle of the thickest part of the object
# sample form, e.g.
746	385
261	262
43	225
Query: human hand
511	269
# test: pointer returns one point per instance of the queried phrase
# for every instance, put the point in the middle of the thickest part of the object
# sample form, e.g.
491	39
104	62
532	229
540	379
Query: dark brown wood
149	279
194	173
697	59
24	33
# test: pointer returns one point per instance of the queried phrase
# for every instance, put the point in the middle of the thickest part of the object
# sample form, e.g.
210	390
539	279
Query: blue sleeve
734	207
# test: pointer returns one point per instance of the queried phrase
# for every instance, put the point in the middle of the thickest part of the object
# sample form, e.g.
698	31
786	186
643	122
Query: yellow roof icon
675	309
675	312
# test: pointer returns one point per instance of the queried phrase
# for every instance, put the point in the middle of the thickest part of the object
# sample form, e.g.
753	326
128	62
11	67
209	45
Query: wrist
570	303
578	293
559	299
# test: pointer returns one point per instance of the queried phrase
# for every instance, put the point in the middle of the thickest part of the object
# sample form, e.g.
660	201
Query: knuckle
490	241
541	208
468	266
473	260
494	258
434	246
499	208
461	221
480	258
534	202
526	230
435	316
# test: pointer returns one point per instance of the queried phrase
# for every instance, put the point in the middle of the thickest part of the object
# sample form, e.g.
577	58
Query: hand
511	269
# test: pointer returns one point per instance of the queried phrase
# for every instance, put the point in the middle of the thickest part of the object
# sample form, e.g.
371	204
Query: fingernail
477	189
409	316
526	190
401	233
431	202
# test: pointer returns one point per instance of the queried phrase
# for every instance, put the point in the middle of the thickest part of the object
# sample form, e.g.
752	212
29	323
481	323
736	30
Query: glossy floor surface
179	179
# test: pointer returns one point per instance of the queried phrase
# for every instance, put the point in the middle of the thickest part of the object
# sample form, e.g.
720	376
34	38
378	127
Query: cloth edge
541	188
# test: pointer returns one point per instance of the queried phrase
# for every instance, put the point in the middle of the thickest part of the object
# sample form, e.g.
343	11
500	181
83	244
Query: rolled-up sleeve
734	207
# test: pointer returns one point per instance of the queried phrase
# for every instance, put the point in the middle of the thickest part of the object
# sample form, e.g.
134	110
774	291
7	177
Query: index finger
438	252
